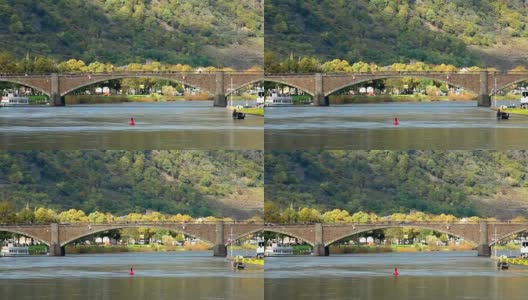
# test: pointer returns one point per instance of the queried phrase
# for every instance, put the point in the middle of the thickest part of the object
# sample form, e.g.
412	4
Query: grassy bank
301	99
100	99
91	249
256	111
38	249
517	111
345	249
253	261
38	100
512	261
359	99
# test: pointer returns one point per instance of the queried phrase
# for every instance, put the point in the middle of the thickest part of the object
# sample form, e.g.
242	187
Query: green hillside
199	183
462	183
195	32
459	32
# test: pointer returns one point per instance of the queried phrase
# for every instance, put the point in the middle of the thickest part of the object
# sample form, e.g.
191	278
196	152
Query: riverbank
93	249
100	99
342	249
364	99
512	261
516	111
255	111
248	260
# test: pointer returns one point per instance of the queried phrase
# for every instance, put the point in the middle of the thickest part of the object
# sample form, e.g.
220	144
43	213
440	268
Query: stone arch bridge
321	236
320	86
57	236
56	85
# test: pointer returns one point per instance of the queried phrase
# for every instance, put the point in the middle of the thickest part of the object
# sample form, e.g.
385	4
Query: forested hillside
195	32
462	183
199	183
464	33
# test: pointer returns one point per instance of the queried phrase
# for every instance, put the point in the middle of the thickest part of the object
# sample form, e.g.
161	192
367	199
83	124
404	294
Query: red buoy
395	272
131	123
396	122
131	271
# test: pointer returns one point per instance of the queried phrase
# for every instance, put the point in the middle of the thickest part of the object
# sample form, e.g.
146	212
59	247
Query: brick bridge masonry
218	84
56	236
320	86
321	236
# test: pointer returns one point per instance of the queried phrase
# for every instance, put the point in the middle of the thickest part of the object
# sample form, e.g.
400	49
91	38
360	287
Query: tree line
461	183
394	31
121	182
43	215
310	64
124	31
42	64
273	213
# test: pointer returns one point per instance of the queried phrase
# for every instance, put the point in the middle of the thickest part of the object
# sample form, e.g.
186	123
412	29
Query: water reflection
173	125
434	125
422	276
194	275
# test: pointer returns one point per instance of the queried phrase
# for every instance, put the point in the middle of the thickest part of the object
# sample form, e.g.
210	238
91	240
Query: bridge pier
55	248
484	98
220	248
484	248
319	248
55	97
319	95
220	97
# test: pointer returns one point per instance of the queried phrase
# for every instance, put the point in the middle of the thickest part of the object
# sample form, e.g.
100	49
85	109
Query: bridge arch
110	227
298	87
27	84
96	79
243	235
28	234
361	230
289	233
399	76
508	234
240	86
507	85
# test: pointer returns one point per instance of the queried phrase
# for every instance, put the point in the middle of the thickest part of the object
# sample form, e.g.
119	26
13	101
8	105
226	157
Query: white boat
260	98
524	99
278	100
14	250
278	250
260	248
14	100
524	248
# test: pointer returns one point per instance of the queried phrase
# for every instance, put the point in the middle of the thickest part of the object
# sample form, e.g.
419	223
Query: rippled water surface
169	125
435	275
432	125
189	275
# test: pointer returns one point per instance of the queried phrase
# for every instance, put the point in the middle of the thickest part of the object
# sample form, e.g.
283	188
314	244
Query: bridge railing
121	72
397	73
408	223
157	223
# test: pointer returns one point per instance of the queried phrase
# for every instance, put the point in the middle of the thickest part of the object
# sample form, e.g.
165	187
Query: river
431	276
428	125
177	275
167	125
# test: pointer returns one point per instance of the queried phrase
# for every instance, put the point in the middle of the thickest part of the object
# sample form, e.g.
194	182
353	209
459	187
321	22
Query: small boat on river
501	114
238	264
238	115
